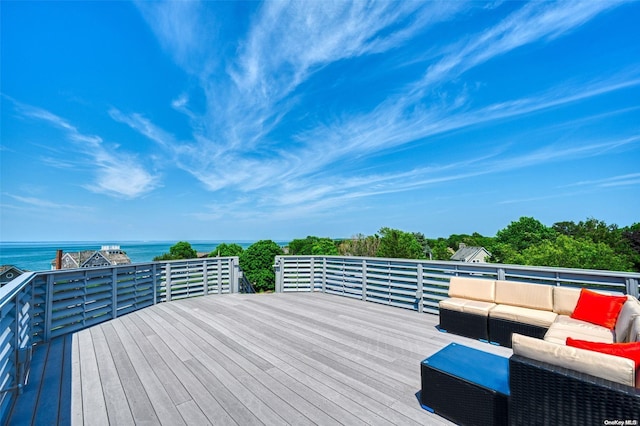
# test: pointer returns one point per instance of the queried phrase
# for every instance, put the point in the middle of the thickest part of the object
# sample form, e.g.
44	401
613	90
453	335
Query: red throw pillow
598	308
624	350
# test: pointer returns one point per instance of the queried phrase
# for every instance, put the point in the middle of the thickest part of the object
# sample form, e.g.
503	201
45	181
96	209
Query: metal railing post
419	290
324	274
167	282
154	281
312	276
233	284
364	280
501	274
631	285
205	277
114	293
278	272
49	308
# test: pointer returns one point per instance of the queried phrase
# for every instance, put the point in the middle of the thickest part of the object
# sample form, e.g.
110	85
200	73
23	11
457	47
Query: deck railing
38	306
421	284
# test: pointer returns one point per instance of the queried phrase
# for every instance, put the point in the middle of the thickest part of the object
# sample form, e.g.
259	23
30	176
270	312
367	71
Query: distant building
8	273
106	256
471	254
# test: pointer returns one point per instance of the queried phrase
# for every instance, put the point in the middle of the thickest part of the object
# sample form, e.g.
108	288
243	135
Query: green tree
257	264
424	243
524	233
440	250
180	250
399	244
504	253
302	246
226	250
631	237
324	246
569	252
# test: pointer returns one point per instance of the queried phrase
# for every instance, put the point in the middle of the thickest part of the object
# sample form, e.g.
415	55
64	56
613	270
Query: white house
471	254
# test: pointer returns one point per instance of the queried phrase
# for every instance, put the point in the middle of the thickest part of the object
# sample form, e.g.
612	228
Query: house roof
468	252
115	257
5	268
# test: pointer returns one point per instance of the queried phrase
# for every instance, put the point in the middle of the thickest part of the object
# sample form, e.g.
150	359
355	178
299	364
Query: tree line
589	244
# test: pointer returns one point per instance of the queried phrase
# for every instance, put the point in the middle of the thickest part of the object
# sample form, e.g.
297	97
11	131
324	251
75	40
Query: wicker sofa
493	310
551	383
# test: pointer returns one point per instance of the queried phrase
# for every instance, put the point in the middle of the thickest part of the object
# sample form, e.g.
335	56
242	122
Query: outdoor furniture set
575	357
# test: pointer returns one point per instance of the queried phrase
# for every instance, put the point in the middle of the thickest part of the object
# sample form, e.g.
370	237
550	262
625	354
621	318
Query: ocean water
37	256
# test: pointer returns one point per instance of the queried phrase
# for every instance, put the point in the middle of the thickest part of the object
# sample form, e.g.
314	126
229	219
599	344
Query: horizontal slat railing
39	306
421	284
15	339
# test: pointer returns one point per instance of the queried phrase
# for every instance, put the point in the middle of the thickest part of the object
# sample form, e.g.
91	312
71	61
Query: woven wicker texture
500	331
464	324
462	402
544	394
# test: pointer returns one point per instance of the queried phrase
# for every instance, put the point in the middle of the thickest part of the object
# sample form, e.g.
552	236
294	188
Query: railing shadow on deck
47	397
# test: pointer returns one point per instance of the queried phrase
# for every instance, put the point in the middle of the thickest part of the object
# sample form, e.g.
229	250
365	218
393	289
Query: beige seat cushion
475	307
534	296
478	307
630	310
452	304
605	366
565	300
472	288
565	326
524	315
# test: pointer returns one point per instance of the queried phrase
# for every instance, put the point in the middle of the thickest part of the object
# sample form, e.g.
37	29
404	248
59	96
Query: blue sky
246	120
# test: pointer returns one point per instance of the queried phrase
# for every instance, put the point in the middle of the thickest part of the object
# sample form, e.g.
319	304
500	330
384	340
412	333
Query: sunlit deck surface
241	359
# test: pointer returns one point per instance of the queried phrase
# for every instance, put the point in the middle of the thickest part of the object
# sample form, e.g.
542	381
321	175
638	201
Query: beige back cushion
565	300
534	296
630	310
634	330
605	366
472	288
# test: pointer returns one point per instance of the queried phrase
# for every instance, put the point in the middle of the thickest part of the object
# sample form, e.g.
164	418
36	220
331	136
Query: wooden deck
240	359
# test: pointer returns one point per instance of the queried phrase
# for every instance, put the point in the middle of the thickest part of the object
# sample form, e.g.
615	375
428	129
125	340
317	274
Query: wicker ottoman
466	386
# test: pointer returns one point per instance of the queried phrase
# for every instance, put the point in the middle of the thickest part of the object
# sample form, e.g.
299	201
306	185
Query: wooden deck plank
240	399
118	410
346	381
172	384
141	408
242	368
292	358
76	382
306	369
279	387
383	368
214	411
94	408
319	399
192	414
162	404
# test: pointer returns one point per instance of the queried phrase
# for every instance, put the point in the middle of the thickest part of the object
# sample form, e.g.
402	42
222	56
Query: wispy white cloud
40	202
186	30
233	145
621	180
115	173
534	22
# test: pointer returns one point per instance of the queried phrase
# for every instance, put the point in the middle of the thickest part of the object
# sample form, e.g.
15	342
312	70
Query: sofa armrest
544	393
